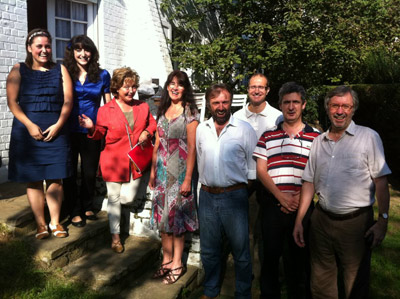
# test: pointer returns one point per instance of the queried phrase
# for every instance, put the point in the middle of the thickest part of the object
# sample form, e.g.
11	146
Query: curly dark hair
29	40
187	96
93	67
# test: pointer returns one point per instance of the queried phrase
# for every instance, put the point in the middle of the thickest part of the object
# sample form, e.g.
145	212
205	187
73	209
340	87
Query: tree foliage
312	42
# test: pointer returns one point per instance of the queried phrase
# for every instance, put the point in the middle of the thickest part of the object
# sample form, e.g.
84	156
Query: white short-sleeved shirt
266	120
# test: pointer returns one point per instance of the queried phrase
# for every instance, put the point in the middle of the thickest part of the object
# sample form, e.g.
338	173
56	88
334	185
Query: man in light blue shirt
224	155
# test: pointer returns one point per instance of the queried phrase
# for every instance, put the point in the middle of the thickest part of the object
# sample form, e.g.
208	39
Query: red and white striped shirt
287	157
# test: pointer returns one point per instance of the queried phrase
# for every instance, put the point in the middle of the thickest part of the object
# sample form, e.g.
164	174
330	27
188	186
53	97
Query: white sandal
58	231
42	232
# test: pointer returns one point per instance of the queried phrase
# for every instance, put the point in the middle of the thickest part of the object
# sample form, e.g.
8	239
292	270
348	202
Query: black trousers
89	150
277	228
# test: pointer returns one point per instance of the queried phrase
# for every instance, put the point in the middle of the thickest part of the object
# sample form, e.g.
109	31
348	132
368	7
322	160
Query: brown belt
346	216
219	190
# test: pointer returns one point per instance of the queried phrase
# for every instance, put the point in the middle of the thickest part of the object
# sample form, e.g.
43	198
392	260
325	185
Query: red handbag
141	156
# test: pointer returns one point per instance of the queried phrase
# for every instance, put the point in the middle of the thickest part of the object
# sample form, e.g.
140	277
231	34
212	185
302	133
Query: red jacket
114	161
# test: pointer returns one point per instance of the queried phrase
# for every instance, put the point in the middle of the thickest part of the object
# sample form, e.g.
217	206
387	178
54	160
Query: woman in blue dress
39	94
91	84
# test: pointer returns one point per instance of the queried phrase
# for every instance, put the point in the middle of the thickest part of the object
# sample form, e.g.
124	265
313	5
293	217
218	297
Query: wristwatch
384	216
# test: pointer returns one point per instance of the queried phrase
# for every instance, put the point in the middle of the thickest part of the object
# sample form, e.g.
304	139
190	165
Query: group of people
258	149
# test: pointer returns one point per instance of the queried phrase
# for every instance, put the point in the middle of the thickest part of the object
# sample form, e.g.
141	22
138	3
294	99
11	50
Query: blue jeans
219	214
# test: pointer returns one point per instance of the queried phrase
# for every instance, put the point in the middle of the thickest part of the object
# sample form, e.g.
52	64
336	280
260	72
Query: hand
378	231
144	136
290	200
152	180
51	132
298	234
186	187
35	131
284	210
85	122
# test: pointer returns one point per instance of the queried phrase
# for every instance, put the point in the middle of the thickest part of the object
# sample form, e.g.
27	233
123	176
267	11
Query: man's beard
221	120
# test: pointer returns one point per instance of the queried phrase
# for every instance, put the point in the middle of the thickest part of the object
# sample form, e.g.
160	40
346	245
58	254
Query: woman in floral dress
174	208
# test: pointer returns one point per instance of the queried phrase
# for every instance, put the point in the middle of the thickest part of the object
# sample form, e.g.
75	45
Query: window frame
92	25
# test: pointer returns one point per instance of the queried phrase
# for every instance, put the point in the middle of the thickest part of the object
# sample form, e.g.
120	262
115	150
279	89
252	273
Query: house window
67	18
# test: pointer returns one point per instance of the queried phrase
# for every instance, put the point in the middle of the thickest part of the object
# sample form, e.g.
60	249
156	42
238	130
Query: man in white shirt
224	155
262	117
258	112
346	169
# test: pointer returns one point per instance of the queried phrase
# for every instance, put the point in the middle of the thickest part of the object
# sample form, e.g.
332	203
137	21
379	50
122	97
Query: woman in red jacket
114	120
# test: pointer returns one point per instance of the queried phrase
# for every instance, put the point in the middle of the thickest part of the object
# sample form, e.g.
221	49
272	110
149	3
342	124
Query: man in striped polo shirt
282	155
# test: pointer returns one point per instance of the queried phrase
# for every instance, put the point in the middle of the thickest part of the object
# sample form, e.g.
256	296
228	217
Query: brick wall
13	30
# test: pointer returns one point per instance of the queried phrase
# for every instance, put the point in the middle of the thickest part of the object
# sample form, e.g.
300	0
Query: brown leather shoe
117	247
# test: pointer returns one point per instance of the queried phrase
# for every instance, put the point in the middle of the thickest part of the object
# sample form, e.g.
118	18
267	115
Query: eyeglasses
336	107
294	155
254	87
173	85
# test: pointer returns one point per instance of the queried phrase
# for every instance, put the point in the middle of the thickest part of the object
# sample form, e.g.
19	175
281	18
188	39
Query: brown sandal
162	271
171	277
117	247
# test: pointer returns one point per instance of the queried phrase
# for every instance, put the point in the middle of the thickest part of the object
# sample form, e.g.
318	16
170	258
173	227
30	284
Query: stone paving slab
145	287
103	268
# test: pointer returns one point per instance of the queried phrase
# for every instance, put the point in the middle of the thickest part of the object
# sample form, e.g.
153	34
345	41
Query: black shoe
91	217
81	223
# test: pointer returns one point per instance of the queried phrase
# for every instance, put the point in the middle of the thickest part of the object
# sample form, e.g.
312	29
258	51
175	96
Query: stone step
108	271
146	287
15	211
59	252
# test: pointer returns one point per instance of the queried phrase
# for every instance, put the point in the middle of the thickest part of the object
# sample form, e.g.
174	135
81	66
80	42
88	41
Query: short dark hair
214	91
290	87
341	91
259	75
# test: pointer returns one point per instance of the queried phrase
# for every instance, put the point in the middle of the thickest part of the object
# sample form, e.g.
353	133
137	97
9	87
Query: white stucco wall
130	34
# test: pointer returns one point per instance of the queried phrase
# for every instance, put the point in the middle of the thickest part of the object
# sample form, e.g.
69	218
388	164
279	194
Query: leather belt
219	190
346	216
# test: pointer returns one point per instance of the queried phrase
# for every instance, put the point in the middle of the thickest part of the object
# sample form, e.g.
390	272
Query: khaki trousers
340	244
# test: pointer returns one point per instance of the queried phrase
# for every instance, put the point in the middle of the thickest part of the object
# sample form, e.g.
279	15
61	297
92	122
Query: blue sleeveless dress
41	98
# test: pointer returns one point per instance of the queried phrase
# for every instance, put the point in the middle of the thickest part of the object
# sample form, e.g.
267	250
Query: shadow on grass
22	278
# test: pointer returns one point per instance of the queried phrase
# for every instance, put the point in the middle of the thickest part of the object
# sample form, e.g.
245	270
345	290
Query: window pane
63	9
79	11
79	28
60	48
63	29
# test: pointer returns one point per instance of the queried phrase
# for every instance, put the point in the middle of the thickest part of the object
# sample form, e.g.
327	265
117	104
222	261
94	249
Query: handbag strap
129	137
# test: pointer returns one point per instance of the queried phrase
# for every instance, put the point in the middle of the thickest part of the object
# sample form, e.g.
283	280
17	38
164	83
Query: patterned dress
172	212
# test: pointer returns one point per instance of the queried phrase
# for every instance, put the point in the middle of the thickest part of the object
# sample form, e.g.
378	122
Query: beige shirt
343	171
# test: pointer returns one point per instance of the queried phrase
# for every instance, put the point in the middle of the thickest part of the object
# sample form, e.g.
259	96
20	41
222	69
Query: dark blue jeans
225	214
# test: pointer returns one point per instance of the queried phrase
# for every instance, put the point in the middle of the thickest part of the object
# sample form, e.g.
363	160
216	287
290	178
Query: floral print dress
172	212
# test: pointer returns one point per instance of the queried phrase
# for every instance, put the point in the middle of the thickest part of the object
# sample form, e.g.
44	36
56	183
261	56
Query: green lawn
22	278
385	268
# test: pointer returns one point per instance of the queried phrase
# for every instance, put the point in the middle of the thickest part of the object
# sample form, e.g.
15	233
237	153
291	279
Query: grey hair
341	91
